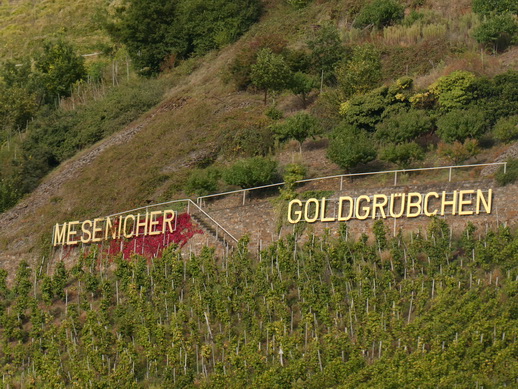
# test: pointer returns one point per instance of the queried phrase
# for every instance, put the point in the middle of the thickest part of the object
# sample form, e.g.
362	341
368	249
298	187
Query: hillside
203	119
203	97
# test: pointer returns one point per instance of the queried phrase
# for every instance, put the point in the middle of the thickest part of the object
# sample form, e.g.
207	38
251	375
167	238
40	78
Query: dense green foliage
361	72
486	7
248	173
510	175
498	31
380	13
350	147
157	32
403	154
426	311
506	129
202	182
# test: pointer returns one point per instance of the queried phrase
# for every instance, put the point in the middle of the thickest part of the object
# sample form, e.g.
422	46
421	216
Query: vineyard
428	310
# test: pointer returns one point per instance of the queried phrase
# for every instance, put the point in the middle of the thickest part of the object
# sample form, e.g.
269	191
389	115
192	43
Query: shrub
403	155
361	73
380	13
454	90
506	129
405	126
349	147
274	113
299	127
9	194
365	111
253	139
302	84
458	125
486	7
498	32
202	182
458	152
511	173
252	172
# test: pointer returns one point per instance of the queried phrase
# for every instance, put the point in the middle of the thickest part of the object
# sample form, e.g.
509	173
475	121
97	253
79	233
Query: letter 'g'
297	213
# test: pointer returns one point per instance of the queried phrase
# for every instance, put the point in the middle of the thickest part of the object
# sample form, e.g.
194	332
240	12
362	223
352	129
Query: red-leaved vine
151	246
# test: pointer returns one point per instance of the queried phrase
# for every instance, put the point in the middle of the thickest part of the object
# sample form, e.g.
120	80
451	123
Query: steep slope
129	168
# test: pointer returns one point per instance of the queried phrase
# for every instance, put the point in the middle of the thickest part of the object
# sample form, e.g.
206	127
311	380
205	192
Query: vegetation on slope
321	63
428	311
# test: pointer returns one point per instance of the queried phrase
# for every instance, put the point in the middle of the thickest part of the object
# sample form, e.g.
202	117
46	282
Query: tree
153	30
270	72
327	50
58	67
498	31
145	27
302	84
299	127
361	73
350	147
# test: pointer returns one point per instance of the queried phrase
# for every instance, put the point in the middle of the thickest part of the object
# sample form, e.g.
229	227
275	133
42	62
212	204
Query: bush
361	73
251	139
511	173
252	172
497	32
365	111
349	147
458	152
459	124
9	195
403	155
506	129
202	182
454	90
380	13
405	126
486	7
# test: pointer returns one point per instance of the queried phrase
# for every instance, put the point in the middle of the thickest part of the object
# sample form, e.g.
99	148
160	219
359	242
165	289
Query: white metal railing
214	222
199	200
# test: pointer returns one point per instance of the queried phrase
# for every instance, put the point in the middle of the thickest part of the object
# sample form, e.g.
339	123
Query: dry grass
24	24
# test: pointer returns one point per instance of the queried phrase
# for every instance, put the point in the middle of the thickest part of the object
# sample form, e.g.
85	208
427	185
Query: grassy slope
194	118
26	23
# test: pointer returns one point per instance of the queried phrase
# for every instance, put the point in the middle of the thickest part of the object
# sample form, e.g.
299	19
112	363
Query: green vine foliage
425	310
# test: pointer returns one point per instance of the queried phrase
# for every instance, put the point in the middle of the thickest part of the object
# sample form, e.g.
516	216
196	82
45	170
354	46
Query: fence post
244	197
449	174
341	183
188	207
505	167
395	178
